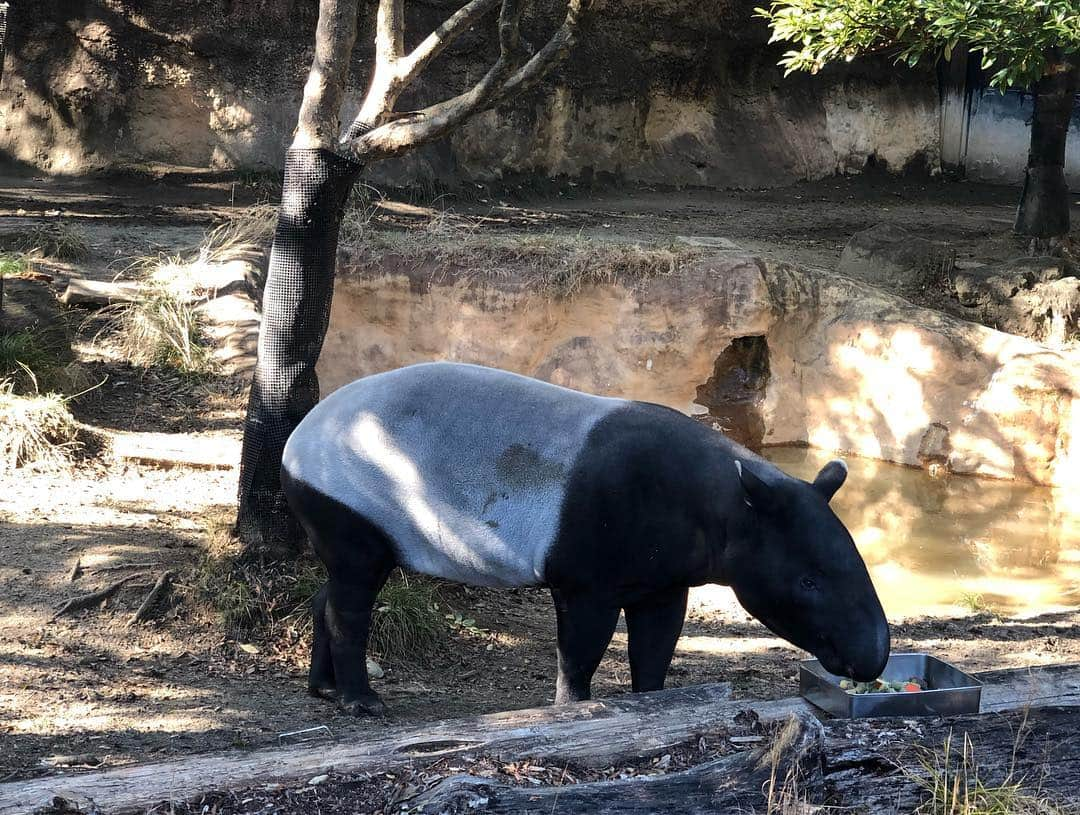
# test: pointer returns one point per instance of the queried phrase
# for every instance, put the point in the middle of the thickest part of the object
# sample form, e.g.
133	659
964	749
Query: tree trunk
296	311
320	170
3	37
1044	202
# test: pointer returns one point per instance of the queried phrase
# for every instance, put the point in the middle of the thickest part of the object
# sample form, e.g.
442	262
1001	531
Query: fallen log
100	293
596	733
882	766
758	781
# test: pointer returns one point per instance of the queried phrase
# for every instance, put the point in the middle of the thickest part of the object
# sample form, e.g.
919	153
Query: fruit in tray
882	686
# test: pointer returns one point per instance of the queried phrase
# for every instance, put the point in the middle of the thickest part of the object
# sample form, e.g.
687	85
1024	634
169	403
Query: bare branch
434	44
317	125
390	31
547	57
503	80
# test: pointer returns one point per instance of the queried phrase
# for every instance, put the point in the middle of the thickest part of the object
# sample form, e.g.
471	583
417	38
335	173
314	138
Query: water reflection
945	546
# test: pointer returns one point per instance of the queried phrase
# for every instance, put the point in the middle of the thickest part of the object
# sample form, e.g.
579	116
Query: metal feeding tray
949	691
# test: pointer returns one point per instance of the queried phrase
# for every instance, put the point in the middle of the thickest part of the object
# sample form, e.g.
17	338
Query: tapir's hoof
322	691
364	706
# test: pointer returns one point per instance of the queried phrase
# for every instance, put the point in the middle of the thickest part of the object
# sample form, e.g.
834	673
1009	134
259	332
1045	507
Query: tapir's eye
808	583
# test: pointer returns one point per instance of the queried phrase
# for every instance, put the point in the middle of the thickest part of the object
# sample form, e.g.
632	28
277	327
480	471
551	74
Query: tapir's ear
756	492
831	478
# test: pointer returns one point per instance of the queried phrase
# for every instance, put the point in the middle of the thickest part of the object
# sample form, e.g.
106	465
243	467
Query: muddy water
958	544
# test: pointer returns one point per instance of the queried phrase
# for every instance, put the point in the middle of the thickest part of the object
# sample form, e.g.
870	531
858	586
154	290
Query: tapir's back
465	468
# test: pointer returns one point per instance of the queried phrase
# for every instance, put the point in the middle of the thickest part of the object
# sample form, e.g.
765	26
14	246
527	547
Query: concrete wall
658	91
985	133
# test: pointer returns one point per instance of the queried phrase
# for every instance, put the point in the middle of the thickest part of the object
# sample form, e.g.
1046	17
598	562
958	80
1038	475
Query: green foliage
1017	38
405	623
12	265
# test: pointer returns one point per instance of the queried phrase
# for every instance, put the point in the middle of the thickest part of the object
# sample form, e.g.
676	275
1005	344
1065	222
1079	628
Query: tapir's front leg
585	625
653	628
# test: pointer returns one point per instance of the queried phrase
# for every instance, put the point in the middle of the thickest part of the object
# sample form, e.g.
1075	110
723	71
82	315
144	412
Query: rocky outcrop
657	91
782	354
1037	297
892	258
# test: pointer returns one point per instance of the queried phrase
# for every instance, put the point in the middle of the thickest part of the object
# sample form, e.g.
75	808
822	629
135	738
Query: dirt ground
90	691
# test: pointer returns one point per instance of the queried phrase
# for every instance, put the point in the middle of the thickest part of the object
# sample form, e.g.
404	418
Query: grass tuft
29	362
406	624
556	266
37	431
161	329
269	600
58	239
955	784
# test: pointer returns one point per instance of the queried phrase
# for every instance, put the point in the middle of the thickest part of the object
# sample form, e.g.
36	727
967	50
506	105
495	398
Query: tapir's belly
464	468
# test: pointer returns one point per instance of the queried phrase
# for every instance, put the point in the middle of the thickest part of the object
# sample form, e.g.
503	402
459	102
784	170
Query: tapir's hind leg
348	622
358	559
321	674
653	628
585	626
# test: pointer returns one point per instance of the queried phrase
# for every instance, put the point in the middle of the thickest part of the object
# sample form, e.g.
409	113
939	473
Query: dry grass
956	784
37	431
57	239
556	266
161	329
250	230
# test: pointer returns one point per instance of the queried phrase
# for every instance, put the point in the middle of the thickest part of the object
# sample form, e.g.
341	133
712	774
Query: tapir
490	478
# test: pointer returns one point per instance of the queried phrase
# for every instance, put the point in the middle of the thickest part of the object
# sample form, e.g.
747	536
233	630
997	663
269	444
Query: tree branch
505	78
390	31
547	57
434	44
317	124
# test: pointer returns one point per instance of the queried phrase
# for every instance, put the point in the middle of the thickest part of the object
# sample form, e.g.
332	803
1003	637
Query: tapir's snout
863	656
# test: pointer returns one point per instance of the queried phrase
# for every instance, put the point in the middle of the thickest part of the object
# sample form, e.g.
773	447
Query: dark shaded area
1044	202
735	392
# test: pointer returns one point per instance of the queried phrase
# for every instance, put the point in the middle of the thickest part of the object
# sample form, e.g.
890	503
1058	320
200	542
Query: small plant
464	625
974	602
13	265
58	239
405	623
955	784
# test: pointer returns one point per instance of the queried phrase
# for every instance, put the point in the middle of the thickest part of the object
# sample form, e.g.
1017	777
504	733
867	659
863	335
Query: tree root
74	604
155	594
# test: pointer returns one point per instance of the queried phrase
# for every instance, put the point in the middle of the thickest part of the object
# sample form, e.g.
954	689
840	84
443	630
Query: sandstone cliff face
658	91
825	361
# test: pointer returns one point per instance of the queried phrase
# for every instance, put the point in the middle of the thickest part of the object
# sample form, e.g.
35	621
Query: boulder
894	259
1037	297
790	355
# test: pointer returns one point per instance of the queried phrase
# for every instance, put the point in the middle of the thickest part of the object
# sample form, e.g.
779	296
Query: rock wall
849	368
658	91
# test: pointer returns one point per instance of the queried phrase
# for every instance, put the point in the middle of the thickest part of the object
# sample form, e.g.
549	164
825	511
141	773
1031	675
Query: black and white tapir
493	479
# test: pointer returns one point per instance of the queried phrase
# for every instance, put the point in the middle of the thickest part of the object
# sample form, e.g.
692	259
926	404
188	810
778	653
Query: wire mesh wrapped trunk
3	36
295	313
